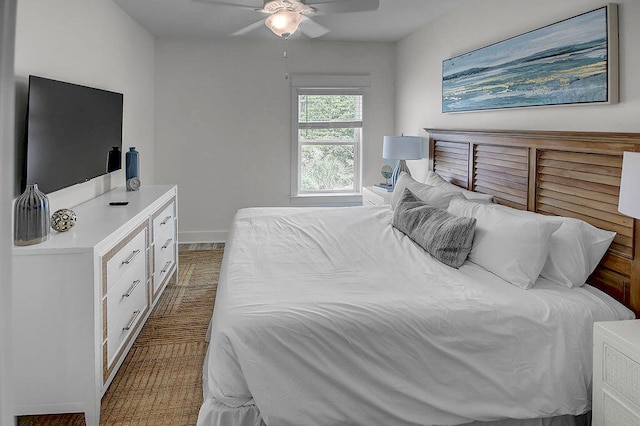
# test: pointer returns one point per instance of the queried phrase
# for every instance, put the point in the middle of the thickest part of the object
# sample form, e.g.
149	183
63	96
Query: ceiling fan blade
246	4
312	29
249	28
343	6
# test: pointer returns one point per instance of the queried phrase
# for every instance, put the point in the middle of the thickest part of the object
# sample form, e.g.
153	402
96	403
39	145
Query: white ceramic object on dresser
616	373
81	298
374	196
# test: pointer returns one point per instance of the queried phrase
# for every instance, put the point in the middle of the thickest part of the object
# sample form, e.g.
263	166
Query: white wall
92	43
7	33
223	121
221	113
475	24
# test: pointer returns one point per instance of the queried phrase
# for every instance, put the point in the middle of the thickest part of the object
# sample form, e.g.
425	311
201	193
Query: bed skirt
214	413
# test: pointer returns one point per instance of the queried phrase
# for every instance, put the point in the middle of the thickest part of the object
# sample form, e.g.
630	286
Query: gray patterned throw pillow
445	236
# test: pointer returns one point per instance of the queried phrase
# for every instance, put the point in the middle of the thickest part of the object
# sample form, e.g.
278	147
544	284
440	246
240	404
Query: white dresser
81	298
616	373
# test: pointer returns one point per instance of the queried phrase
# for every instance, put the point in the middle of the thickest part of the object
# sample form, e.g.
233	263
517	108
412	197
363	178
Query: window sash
356	167
356	143
356	121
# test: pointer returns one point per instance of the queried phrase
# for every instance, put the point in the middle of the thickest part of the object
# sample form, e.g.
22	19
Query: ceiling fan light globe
283	23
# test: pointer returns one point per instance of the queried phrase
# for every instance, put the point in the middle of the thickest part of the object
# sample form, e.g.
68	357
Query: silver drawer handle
133	320
131	257
166	244
166	267
133	287
166	219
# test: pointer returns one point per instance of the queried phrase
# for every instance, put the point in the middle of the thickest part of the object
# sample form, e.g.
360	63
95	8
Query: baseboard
192	237
62	408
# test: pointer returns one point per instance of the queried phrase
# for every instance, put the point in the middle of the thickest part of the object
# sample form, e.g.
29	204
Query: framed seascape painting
574	61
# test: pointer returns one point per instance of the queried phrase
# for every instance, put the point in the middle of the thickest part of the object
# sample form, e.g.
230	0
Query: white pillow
430	195
435	179
513	247
575	249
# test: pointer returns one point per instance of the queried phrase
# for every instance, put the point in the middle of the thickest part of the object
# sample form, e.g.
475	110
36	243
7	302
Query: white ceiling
195	19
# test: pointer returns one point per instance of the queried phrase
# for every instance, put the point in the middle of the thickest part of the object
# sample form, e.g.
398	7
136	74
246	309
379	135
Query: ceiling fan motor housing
273	6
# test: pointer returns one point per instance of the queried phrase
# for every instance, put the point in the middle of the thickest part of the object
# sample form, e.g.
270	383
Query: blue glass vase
31	217
132	163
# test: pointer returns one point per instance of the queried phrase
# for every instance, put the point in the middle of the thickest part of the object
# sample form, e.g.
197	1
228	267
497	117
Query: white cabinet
375	196
616	373
81	298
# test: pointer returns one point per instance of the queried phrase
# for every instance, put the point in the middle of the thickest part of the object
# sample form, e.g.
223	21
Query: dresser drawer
373	196
163	261
370	199
126	305
616	373
617	412
623	375
164	240
164	246
124	258
164	224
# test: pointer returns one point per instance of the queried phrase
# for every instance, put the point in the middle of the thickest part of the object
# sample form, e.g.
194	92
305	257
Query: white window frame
329	85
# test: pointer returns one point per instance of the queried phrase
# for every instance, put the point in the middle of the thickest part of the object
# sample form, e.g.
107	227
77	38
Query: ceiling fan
286	15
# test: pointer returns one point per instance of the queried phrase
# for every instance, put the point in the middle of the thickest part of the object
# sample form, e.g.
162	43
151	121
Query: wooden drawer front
126	305
164	224
122	261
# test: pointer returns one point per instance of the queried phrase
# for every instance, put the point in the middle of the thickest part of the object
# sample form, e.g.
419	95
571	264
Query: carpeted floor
160	381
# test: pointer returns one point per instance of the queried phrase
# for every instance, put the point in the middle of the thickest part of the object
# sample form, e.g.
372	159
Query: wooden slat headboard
573	174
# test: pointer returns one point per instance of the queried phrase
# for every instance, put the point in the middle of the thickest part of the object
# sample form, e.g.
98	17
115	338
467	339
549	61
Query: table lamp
401	148
629	201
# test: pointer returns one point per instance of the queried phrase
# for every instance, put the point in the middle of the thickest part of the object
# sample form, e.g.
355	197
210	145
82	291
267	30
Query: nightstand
374	196
616	373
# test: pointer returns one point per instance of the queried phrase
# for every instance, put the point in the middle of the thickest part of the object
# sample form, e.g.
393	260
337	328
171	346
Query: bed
333	316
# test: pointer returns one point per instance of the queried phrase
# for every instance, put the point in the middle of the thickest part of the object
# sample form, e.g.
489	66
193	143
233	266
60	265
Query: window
327	139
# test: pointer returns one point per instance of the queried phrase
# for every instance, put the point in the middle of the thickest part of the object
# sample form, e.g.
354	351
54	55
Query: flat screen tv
73	134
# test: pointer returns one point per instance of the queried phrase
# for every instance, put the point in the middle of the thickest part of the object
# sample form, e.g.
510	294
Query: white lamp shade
402	148
629	201
283	23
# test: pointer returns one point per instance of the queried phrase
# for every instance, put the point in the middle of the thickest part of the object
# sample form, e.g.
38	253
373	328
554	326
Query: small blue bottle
132	166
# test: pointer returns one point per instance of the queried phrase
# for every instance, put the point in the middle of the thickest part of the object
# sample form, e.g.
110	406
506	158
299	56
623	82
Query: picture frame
570	62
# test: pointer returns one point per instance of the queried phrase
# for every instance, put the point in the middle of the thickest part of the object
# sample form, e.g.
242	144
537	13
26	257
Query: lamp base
400	167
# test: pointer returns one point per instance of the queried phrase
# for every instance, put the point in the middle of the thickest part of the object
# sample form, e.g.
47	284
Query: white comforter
332	317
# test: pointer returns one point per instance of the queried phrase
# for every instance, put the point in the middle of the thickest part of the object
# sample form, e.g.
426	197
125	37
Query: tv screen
74	133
